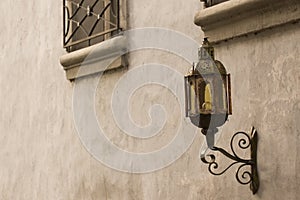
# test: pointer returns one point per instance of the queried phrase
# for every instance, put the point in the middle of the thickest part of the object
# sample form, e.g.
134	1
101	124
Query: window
209	3
88	22
92	36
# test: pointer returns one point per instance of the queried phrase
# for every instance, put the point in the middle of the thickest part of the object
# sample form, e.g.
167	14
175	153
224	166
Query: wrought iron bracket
243	175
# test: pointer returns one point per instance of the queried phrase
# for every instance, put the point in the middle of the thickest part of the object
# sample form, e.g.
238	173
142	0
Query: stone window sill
236	18
101	57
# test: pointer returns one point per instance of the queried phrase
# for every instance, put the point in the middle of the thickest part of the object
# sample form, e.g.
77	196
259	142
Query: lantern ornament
208	98
208	105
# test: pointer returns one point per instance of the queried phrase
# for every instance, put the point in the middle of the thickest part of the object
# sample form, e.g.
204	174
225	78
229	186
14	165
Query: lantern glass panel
192	95
220	98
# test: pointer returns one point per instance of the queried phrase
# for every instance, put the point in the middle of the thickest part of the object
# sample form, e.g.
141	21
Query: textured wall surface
42	156
265	81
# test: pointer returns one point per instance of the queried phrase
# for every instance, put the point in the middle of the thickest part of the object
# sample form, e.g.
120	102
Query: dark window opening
209	3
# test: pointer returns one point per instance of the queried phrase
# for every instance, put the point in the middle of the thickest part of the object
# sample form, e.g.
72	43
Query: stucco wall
42	156
265	81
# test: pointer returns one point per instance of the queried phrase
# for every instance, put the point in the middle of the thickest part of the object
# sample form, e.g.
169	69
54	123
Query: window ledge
236	18
96	58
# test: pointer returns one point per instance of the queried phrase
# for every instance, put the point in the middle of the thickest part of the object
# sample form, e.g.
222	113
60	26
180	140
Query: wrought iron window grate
209	3
87	22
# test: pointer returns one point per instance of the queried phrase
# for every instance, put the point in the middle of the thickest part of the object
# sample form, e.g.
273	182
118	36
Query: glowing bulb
207	105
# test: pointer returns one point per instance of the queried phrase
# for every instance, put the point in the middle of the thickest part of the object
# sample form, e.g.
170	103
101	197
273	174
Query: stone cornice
236	18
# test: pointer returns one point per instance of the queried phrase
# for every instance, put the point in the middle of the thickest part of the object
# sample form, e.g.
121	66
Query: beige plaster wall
42	156
265	84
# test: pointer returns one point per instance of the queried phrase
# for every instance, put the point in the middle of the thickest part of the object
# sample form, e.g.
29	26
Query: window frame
93	59
109	23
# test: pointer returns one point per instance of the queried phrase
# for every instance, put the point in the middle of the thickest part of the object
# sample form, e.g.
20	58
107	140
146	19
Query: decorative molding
236	18
96	58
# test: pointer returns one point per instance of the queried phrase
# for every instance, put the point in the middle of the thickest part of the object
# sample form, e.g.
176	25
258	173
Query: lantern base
210	136
209	121
210	131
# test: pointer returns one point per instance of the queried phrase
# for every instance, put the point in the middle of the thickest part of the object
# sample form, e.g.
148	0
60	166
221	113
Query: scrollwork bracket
242	176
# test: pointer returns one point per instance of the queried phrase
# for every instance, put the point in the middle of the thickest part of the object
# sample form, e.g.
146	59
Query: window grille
87	22
209	3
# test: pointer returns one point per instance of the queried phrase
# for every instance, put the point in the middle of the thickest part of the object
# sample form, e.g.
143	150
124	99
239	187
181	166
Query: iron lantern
208	105
207	89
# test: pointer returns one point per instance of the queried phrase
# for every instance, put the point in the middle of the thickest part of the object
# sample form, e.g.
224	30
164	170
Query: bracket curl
244	175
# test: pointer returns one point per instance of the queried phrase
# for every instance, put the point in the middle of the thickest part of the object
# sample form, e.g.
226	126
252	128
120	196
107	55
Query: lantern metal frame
210	119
